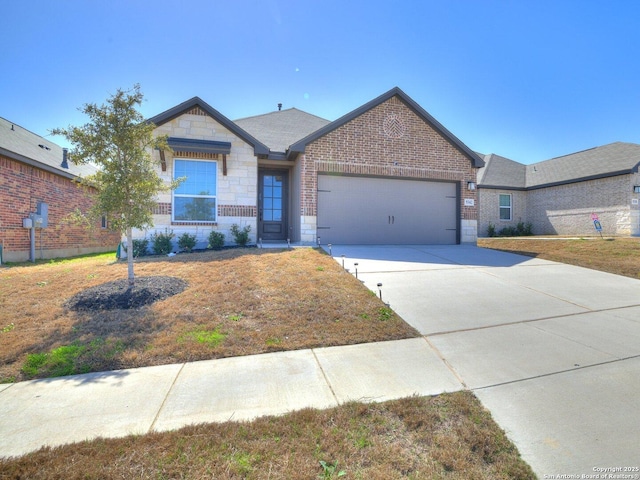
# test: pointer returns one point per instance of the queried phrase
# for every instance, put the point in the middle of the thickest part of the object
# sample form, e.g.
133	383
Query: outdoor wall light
471	185
636	189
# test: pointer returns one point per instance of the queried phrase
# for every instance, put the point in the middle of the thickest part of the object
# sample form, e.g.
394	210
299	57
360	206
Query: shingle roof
502	172
24	146
606	161
279	130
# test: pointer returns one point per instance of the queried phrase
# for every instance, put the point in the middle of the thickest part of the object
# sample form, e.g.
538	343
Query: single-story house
564	195
387	172
38	190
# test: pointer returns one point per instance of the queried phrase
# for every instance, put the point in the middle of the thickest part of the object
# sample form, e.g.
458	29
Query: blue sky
529	80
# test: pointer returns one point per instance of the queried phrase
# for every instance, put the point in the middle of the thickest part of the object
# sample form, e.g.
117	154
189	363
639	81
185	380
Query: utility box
43	211
27	223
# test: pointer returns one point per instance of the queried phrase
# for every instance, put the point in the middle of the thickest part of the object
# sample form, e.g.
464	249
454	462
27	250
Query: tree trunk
130	256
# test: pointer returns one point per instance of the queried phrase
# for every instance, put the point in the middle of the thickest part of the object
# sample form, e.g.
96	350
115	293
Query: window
103	221
195	199
505	206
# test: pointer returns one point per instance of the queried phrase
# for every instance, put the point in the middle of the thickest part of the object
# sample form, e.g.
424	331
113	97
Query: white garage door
377	211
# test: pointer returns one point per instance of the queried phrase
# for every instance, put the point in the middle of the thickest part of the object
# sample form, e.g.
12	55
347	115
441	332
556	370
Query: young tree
118	141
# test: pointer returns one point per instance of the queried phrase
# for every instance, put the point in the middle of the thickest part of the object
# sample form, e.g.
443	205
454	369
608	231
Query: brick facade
22	187
566	209
389	140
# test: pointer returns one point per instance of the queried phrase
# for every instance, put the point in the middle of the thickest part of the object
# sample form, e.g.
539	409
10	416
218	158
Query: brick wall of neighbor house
236	192
489	200
22	188
567	209
364	146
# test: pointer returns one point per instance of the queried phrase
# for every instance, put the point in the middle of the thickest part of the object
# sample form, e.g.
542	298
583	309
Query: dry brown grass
619	255
449	436
259	300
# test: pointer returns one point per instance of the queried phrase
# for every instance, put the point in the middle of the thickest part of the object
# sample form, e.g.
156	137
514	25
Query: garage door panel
392	211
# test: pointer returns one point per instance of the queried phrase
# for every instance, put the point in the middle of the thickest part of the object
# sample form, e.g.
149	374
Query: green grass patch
384	314
8	328
273	341
211	338
56	363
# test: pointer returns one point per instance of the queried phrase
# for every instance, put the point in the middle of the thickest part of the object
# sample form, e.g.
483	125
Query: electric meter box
40	219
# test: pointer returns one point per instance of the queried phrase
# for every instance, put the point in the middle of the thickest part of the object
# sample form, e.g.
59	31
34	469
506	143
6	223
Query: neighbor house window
103	221
195	198
505	206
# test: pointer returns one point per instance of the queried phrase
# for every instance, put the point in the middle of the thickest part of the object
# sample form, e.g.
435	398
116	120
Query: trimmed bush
162	242
240	235
186	242
216	240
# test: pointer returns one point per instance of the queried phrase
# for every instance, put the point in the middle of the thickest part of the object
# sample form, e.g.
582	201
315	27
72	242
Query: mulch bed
118	295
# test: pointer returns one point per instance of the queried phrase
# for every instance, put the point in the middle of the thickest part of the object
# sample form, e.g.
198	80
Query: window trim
175	195
509	207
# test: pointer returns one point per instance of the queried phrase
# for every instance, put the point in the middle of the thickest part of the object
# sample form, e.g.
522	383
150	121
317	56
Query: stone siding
236	195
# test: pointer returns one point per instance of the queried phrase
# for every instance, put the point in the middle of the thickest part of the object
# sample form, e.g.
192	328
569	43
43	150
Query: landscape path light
380	290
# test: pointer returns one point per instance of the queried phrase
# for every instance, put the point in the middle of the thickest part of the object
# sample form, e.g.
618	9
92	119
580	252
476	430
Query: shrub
140	247
491	230
240	235
162	242
520	230
187	241
524	229
216	240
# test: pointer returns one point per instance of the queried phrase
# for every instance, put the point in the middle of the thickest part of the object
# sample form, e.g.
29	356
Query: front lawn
232	302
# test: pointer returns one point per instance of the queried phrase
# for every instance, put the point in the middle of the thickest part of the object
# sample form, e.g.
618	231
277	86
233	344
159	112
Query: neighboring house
563	195
38	183
387	172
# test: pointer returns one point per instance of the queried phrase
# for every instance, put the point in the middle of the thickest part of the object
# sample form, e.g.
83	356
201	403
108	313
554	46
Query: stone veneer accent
236	192
363	147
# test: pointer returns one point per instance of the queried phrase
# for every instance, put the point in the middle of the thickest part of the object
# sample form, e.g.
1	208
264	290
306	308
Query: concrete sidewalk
137	401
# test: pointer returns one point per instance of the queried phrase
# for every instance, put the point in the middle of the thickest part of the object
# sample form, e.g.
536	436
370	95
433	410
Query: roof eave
258	147
582	179
35	163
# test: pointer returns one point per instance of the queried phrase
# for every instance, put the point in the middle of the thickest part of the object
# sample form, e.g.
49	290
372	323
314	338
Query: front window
195	199
505	207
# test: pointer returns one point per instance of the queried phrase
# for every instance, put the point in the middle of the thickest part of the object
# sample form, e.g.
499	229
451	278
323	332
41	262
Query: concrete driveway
552	350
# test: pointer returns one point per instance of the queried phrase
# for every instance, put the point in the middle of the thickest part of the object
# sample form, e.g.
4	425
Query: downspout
32	252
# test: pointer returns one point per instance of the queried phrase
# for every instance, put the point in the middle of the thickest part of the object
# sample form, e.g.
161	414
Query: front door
272	204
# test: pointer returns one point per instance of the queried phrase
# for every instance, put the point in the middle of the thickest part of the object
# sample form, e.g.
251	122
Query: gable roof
616	158
278	130
299	146
259	148
24	146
